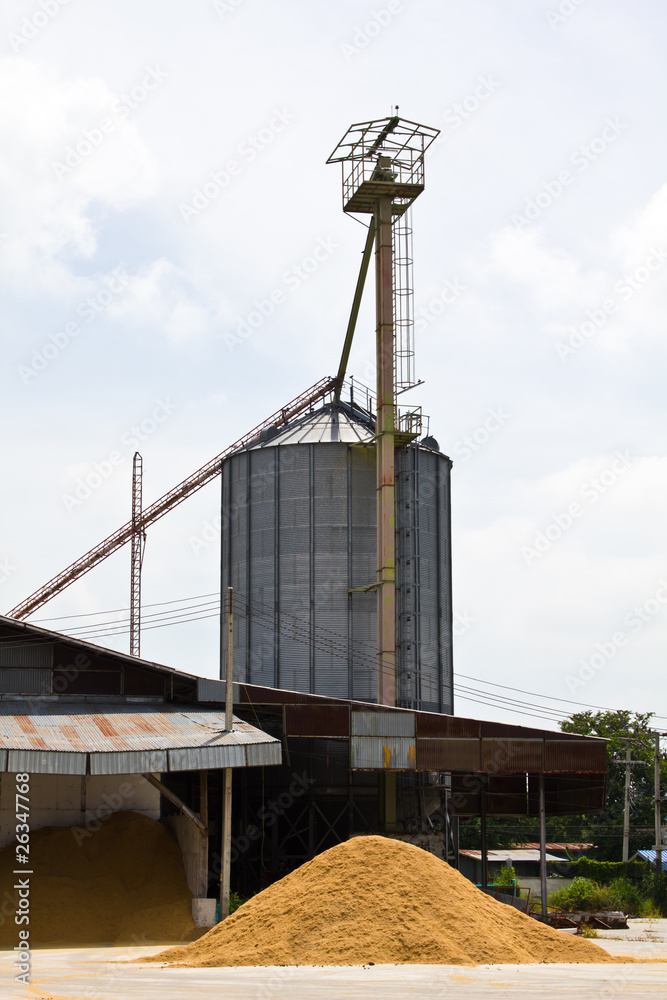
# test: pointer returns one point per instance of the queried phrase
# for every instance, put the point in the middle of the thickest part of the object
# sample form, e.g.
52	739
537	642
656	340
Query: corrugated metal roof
513	855
650	856
125	738
563	846
327	425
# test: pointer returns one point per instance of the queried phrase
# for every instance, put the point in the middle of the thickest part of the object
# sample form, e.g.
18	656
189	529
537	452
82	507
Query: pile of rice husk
382	901
124	883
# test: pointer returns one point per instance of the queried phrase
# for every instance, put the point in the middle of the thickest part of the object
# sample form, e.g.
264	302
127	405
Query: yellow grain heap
378	900
124	883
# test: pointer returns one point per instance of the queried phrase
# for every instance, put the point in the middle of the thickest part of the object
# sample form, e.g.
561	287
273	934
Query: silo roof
329	425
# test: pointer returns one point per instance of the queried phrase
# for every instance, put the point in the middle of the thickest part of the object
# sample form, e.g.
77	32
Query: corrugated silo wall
423	580
298	531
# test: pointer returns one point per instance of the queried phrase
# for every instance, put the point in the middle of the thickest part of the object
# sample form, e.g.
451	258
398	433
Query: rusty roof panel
511	756
575	755
430	724
317	720
448	755
118	727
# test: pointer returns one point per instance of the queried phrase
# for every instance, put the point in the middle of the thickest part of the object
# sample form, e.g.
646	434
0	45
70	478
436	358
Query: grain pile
124	883
378	900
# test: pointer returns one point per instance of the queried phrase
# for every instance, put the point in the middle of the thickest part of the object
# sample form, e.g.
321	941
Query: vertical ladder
404	315
136	556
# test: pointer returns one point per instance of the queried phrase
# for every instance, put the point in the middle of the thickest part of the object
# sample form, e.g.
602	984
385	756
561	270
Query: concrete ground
102	974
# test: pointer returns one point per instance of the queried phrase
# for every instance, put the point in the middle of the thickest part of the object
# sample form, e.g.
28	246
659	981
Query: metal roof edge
62	637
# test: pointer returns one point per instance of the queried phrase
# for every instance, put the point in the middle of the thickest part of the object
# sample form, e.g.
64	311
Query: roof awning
509	855
72	738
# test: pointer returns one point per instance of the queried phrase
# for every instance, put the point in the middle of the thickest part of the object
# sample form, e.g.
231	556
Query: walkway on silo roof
331	424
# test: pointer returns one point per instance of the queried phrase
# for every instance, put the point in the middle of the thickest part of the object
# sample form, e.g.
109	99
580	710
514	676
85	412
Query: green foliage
605	871
236	900
620	894
626	896
588	932
505	875
655	890
605	830
582	894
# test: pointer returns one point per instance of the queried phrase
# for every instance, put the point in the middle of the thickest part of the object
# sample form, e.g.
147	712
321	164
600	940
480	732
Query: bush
627	896
505	876
582	894
655	891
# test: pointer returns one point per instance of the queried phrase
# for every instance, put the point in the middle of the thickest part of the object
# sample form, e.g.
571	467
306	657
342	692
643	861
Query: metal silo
299	549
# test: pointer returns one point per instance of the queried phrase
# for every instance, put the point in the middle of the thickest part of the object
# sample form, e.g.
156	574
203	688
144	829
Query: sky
163	172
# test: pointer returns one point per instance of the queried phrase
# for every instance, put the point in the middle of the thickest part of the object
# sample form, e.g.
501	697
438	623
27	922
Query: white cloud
60	169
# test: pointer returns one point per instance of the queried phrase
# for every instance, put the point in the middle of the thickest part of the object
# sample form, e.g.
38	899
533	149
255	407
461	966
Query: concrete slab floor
99	974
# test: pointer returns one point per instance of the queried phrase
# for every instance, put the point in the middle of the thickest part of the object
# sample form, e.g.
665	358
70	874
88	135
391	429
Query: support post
658	820
384	444
543	846
626	804
226	851
482	827
203	816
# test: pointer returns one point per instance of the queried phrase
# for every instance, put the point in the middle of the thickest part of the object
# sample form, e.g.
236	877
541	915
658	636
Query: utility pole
626	807
227	773
658	822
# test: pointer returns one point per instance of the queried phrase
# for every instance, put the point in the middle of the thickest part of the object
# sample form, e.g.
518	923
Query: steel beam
356	303
173	798
384	446
168	501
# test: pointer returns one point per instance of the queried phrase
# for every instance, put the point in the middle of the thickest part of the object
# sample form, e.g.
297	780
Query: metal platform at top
383	157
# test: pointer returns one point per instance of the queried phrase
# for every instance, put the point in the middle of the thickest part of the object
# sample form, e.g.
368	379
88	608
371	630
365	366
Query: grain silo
336	524
299	549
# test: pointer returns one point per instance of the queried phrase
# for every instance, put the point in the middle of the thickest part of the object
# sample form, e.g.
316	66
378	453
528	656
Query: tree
605	830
